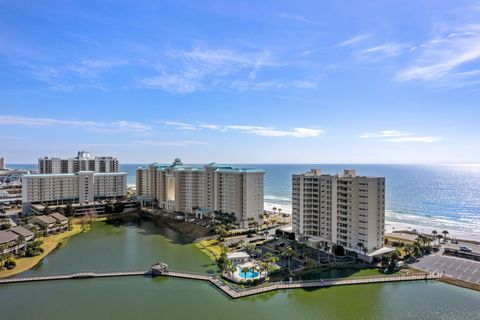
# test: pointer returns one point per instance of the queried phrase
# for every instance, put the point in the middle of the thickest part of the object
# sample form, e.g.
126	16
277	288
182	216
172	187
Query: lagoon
135	246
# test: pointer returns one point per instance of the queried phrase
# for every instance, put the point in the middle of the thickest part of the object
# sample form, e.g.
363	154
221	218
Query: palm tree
445	233
287	253
439	237
434	234
360	246
279	210
274	210
245	270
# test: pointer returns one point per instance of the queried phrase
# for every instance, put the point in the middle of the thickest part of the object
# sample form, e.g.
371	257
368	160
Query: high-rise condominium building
82	162
2	163
83	187
343	209
182	188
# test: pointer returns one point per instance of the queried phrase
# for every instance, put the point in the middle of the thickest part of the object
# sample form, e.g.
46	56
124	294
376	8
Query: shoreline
50	244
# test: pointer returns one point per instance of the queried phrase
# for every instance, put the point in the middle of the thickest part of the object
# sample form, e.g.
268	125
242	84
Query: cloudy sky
241	81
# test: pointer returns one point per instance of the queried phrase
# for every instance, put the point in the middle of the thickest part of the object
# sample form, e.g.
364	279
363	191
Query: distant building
82	162
343	209
182	188
83	187
2	163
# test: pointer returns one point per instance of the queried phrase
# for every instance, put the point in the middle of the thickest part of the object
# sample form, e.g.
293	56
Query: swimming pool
250	274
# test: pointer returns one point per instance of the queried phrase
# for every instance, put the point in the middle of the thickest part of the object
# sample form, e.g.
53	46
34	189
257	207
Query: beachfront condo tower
342	209
213	187
82	162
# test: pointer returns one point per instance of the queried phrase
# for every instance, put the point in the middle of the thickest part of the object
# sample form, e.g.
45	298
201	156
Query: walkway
231	291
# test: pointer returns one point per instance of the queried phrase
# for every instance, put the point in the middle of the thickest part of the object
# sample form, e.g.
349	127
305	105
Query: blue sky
241	81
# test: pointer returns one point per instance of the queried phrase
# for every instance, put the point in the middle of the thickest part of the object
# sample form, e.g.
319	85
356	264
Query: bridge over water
228	289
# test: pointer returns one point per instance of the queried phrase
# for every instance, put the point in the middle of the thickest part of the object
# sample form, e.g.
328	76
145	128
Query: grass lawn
50	243
210	247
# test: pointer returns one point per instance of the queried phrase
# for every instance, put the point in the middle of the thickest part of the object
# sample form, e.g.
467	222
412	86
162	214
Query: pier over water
230	290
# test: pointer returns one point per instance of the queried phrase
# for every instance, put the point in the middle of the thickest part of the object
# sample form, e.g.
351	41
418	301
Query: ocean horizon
423	197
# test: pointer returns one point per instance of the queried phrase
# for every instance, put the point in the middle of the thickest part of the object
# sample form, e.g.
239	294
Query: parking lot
458	268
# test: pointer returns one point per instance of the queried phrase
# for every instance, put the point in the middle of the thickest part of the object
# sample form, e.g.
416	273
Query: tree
69	210
244	271
47	210
434	234
279	210
287	253
274	210
338	250
439	237
360	246
221	231
445	233
109	207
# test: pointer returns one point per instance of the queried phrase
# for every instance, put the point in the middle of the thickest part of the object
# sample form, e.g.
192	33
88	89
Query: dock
228	289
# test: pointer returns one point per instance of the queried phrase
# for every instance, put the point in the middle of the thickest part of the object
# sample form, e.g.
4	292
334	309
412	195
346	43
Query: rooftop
7	236
178	165
65	175
58	216
236	255
21	231
45	219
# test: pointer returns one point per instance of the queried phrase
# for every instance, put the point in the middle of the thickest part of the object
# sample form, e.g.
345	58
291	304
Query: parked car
465	249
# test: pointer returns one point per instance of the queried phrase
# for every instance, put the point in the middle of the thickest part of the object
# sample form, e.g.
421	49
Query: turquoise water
250	274
440	196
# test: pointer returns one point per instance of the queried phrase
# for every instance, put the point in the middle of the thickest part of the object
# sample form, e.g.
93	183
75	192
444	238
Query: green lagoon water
126	247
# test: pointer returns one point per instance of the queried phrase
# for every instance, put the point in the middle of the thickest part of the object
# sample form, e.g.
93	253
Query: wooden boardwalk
231	291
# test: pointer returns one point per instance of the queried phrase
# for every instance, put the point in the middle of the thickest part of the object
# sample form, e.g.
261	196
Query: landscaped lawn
210	247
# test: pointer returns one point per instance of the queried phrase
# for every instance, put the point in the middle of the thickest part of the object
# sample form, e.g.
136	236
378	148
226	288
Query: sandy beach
399	221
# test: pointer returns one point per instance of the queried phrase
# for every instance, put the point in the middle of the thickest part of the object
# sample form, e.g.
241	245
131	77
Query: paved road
458	268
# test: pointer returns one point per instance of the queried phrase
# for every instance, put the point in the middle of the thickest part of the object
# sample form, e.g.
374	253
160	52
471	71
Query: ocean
417	196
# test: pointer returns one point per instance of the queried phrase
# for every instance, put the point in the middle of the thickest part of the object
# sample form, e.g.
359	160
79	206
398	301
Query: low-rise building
52	223
24	234
239	257
10	242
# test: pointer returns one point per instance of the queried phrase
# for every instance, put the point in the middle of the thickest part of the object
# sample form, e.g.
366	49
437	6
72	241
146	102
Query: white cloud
172	83
173	143
379	52
399	136
385	134
180	125
355	40
256	130
108	126
414	139
446	60
72	76
201	69
294	17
